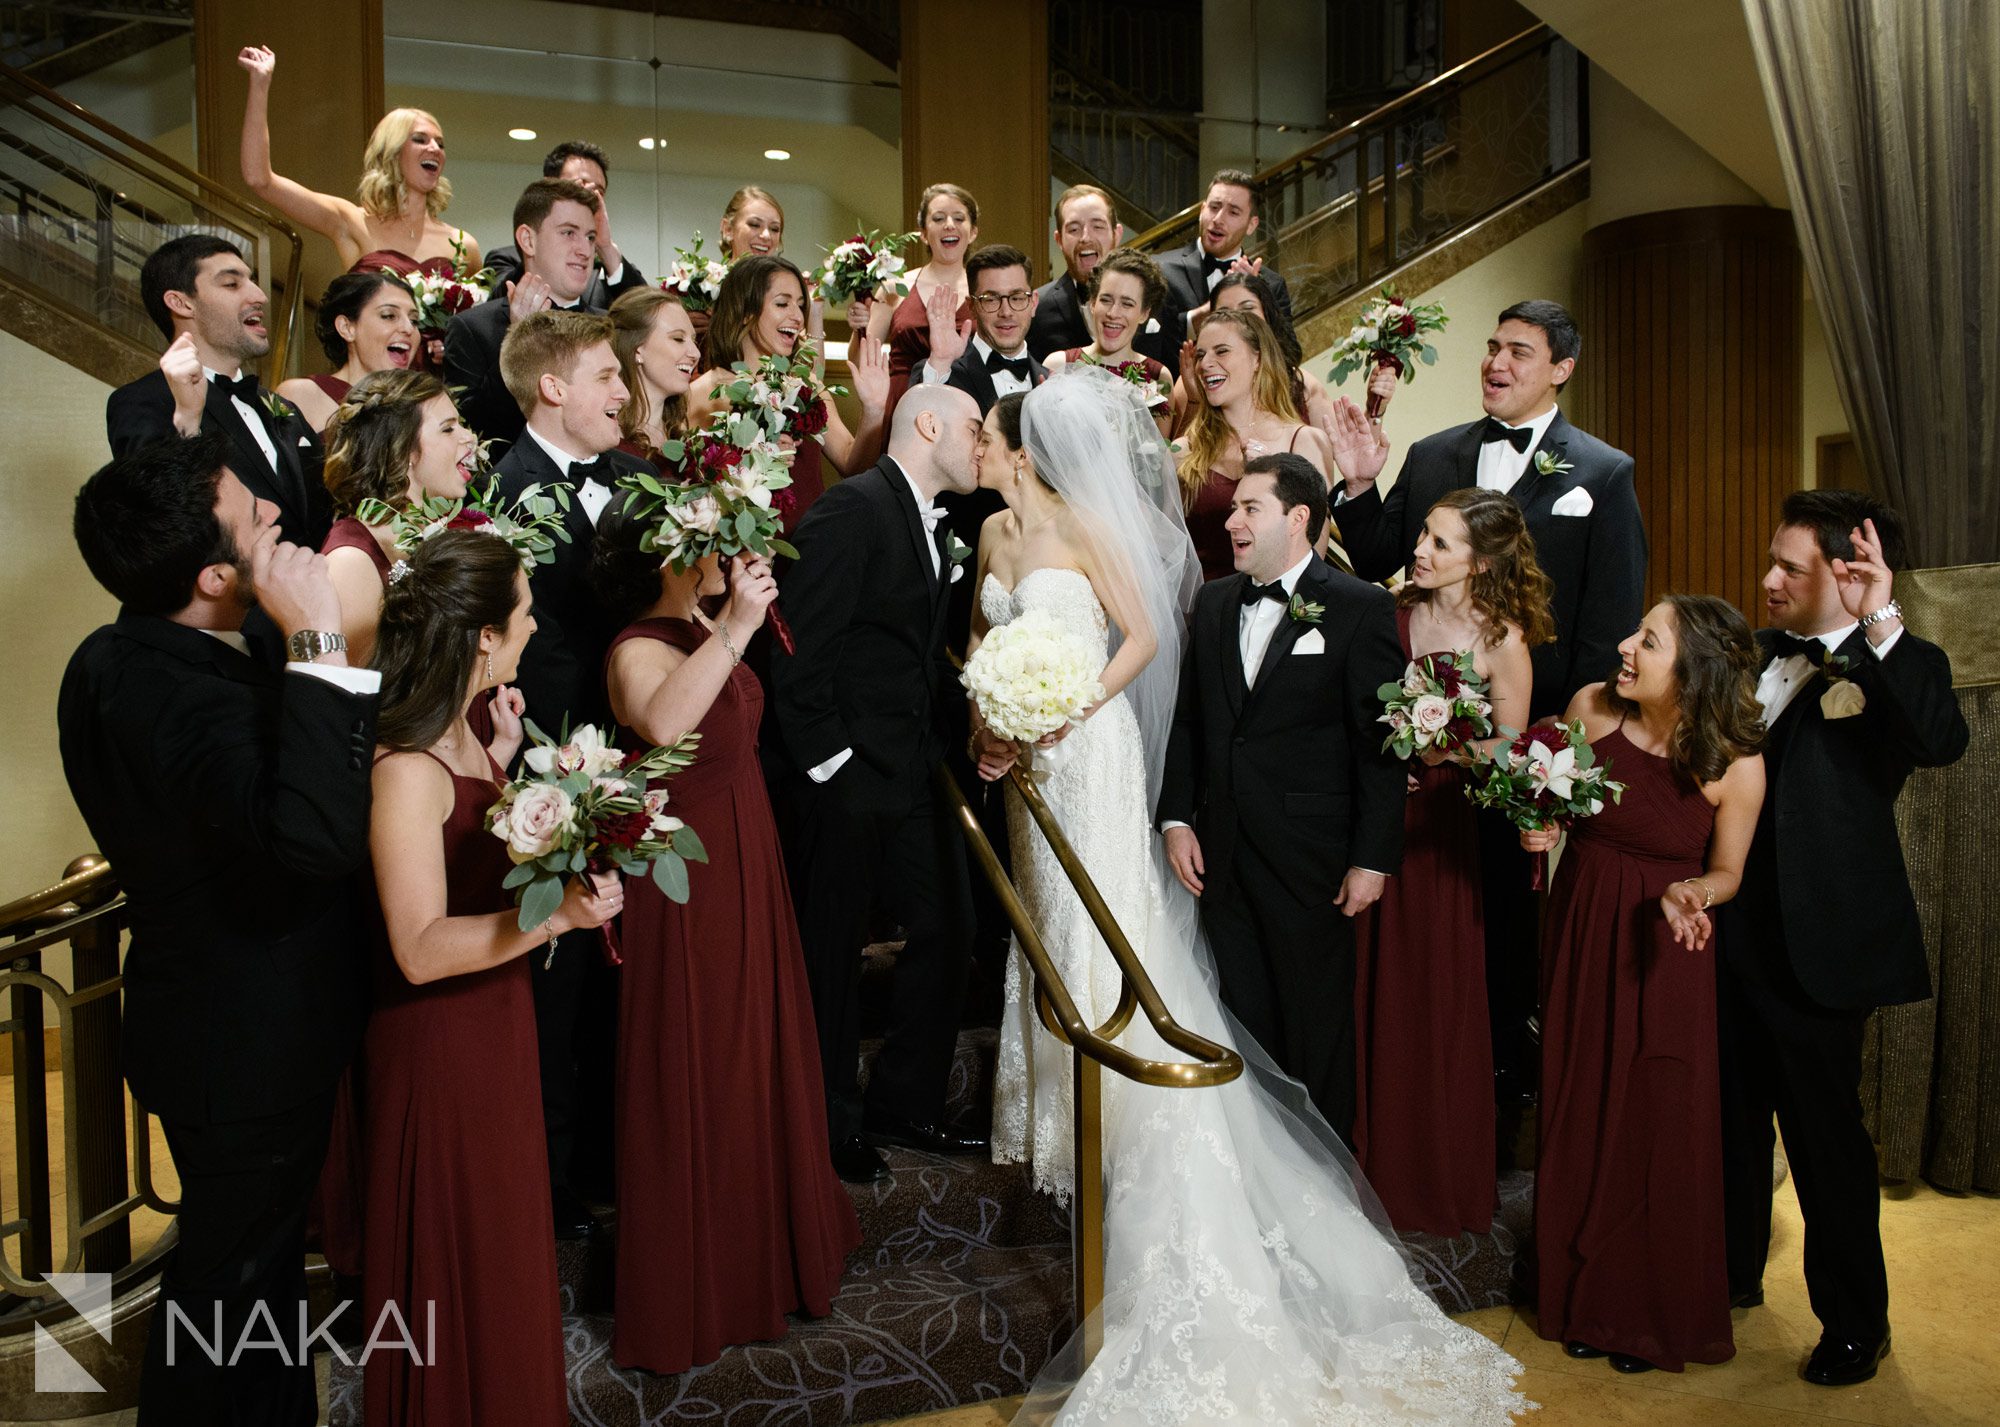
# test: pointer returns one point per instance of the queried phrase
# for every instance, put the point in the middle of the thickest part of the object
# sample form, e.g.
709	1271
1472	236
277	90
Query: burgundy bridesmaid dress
910	344
1628	1188
729	1213
458	1196
1423	1105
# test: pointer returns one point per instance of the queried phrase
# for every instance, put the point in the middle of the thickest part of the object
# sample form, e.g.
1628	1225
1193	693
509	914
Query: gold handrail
189	184
1427	92
86	881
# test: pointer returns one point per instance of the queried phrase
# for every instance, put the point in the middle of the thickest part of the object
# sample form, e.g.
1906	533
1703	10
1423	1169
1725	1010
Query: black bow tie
243	388
1784	646
1519	437
1252	592
599	471
1211	264
1017	367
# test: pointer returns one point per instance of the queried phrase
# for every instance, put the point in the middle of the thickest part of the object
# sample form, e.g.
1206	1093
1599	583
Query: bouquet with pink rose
1441	704
1547	777
580	805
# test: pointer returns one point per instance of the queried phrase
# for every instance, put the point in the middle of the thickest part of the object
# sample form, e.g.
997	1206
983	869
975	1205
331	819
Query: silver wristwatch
1889	611
309	644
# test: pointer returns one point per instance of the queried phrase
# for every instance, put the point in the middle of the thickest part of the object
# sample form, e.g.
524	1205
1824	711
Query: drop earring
489	668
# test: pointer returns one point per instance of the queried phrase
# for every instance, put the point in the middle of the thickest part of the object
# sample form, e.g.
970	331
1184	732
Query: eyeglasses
1016	301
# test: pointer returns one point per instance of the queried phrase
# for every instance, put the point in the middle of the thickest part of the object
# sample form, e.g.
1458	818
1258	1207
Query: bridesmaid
752	225
729	1212
658	357
761	312
403	191
367	322
1125	289
1423	1118
1243	410
948	222
397	438
1628	1188
458	1236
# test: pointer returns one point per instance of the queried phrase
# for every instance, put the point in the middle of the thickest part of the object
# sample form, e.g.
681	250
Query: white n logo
90	1295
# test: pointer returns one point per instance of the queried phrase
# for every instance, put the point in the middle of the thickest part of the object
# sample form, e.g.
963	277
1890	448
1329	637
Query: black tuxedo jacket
143	411
472	369
1596	561
970	376
1825	879
232	801
1292	766
870	670
562	667
505	264
1187	289
1058	323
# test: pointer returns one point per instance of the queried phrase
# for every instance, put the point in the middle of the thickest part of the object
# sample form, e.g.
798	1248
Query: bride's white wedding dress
1248	1273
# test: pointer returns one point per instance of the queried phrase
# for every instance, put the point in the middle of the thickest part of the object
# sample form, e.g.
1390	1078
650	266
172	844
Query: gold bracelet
1707	892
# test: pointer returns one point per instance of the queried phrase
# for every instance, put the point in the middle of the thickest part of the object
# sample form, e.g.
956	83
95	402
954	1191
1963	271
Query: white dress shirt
1215	275
833	765
1783	678
1004	383
252	419
589	494
355	681
1500	465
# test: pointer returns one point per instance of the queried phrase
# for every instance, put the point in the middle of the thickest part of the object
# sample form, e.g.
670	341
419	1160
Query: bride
1249	1271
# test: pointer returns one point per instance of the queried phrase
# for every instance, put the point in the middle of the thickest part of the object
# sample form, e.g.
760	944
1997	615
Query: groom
868	706
1279	808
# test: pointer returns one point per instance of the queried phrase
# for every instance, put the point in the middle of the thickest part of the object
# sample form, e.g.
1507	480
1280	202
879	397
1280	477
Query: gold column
976	113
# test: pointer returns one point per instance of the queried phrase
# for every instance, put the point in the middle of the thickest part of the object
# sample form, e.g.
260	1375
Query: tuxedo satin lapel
1533	484
1312	586
1228	633
285	442
898	490
255	471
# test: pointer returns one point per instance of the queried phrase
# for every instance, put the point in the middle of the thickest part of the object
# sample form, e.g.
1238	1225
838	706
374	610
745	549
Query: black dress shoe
1841	1364
1578	1349
858	1162
573	1221
937	1139
1626	1363
1749	1298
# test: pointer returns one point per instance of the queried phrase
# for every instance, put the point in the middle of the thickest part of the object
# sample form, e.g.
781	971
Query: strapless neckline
994	580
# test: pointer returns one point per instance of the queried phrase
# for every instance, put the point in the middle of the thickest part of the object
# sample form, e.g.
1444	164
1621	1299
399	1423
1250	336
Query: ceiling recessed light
777	153
522	134
652	143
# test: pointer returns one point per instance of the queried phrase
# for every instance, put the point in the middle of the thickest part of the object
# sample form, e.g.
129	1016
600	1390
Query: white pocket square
1575	501
305	440
957	574
1311	642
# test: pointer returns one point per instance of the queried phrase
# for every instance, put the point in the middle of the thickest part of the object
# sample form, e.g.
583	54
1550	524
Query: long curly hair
1208	431
427	643
1715	668
381	189
373	436
1507	584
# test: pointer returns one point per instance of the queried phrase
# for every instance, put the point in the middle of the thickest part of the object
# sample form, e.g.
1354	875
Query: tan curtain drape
1887	117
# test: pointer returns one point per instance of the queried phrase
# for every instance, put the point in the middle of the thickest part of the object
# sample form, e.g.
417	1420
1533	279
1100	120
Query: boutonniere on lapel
1551	463
956	550
1843	697
1304	611
279	409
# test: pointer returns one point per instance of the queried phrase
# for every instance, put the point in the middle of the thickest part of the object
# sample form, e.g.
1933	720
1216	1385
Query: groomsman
584	164
1825	928
232	801
563	377
1279	808
1229	215
555	224
1087	228
204	299
1577	495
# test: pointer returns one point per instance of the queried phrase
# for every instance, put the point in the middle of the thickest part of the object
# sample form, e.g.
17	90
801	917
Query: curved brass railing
1091	1047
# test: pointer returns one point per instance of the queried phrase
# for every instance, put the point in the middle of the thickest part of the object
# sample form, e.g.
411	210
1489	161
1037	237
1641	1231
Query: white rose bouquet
694	277
1030	677
863	264
1389	334
581	805
1441	704
1546	777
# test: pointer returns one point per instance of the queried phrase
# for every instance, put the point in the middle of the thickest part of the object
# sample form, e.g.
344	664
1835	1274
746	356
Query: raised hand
1184	856
858	313
868	370
1360	449
292	585
607	249
1190	370
949	336
1685	917
752	589
1382	382
1251	266
260	60
1866	582
507	707
527	297
182	368
1360	889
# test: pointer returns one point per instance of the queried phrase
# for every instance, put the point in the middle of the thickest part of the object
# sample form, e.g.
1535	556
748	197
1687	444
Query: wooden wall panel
1691	334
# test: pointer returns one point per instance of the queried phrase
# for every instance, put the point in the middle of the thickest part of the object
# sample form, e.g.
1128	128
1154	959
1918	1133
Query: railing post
1390	247
1087	1222
97	1115
31	1125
